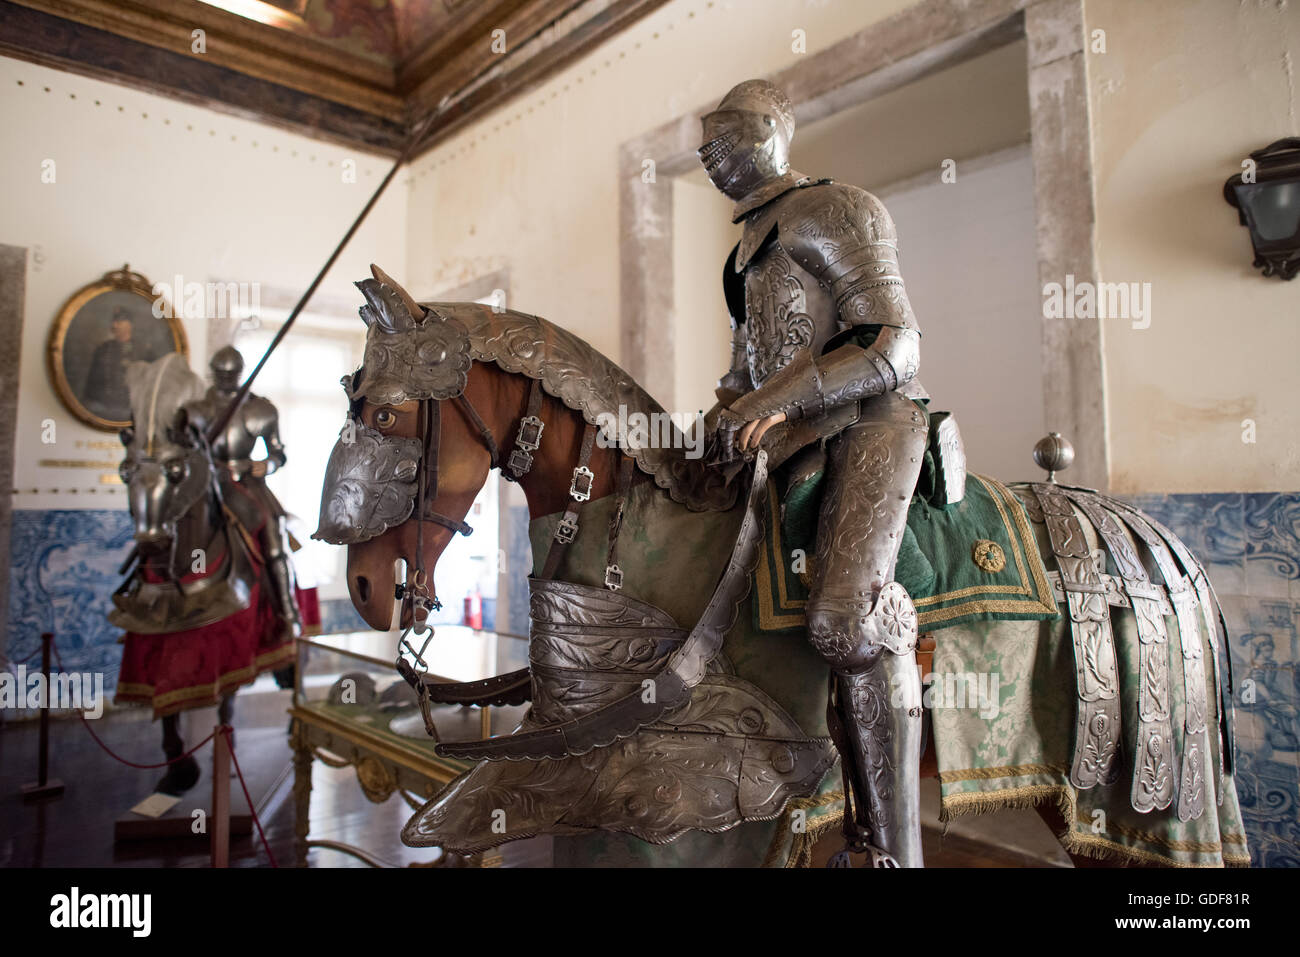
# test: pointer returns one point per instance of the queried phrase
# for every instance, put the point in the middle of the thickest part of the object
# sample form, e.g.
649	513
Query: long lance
418	135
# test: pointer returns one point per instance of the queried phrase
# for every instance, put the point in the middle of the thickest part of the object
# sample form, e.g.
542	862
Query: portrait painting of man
103	327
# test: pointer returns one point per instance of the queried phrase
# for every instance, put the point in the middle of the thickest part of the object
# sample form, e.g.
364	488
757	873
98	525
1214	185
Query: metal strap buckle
566	531
613	577
588	478
520	461
530	433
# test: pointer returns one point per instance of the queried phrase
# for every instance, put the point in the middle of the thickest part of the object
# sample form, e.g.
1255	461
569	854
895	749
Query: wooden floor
76	829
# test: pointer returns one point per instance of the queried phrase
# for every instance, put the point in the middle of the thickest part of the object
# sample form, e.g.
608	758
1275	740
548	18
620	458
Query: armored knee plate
851	633
871	646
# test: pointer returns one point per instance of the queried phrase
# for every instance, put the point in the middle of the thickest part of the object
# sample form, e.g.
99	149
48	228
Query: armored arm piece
275	456
264	420
736	382
846	238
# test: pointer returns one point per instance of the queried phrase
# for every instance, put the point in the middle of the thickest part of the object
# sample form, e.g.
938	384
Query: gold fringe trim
801	844
1086	845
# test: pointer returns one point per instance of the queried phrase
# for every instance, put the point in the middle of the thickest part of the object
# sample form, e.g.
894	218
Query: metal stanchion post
220	823
44	786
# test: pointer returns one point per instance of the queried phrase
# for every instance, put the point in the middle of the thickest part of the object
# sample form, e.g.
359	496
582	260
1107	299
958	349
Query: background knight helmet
747	138
227	368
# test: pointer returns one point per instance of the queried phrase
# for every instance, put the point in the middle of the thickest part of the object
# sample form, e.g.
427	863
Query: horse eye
125	469
175	470
385	418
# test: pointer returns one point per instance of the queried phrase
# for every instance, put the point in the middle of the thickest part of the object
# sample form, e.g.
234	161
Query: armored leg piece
881	708
282	582
864	624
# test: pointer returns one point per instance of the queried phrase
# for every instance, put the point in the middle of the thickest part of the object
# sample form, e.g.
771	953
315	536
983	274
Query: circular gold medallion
989	556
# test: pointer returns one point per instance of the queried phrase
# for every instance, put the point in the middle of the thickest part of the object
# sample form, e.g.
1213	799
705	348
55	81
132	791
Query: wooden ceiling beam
550	55
237	43
305	83
31	35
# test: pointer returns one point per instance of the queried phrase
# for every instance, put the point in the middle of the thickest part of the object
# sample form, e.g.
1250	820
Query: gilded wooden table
350	709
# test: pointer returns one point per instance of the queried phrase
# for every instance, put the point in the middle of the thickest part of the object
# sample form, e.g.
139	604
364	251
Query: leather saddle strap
614	574
485	433
567	530
515	687
520	459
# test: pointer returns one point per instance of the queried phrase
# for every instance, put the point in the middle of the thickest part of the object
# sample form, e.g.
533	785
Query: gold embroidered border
177	700
1015	525
768	617
1007	771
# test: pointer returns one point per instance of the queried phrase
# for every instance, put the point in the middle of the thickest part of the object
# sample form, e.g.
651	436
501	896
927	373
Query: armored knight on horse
668	721
822	331
243	479
211	600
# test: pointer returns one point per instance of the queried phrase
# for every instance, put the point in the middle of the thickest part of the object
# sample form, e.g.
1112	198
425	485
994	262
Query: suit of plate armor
243	482
813	279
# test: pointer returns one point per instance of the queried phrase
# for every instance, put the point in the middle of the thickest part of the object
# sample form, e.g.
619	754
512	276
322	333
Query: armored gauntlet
807	387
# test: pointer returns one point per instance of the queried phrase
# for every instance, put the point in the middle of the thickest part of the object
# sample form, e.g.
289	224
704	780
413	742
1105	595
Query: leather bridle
417	596
429	427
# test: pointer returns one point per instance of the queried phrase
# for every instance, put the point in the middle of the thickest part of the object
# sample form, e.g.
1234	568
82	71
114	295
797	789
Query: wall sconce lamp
1267	196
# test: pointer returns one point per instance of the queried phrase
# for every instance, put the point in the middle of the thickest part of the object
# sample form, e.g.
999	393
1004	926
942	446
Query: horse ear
407	299
127	435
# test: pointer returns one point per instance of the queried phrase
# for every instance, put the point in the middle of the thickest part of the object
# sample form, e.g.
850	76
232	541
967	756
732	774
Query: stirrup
875	856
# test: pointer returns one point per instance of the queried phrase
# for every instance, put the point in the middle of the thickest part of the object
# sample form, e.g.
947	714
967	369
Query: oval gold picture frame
74	385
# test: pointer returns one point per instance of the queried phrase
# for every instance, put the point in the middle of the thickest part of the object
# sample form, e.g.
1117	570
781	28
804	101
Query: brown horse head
426	426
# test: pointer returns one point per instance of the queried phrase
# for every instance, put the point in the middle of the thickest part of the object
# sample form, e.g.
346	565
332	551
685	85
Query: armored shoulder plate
260	410
825	225
845	237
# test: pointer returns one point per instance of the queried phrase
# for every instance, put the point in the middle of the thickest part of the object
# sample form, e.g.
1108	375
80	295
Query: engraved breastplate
236	440
786	311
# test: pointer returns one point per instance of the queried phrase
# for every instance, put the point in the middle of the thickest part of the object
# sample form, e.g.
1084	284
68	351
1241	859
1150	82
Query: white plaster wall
534	188
1185	90
967	253
169	188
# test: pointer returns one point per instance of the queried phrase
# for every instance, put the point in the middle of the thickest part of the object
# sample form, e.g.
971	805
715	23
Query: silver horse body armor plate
730	754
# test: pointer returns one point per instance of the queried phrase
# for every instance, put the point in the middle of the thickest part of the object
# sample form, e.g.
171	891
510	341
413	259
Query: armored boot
864	624
875	719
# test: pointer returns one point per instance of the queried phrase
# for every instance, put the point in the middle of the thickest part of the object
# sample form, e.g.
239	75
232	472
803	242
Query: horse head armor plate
412	354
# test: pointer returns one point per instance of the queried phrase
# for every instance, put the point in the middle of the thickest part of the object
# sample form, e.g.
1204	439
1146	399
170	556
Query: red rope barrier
142	767
229	733
23	661
109	751
225	729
